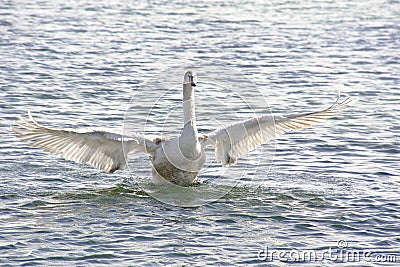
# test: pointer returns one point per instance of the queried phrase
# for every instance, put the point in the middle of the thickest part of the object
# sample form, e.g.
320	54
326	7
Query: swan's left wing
238	139
104	150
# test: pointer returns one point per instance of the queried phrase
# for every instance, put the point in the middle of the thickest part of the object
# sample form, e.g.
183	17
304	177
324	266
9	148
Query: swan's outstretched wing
238	139
103	150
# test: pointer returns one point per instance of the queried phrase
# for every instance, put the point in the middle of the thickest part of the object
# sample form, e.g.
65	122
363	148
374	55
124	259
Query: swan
176	160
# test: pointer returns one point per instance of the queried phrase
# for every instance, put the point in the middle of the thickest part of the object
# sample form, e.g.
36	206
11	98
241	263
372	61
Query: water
76	64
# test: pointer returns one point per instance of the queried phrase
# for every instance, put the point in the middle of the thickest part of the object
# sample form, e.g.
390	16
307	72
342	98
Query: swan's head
190	78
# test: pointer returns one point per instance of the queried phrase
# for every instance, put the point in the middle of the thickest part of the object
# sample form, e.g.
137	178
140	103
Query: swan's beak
192	80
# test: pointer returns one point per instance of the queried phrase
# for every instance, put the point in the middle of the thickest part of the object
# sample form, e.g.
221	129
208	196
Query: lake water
77	64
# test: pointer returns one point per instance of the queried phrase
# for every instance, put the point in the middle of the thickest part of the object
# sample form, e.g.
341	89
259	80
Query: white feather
104	150
238	139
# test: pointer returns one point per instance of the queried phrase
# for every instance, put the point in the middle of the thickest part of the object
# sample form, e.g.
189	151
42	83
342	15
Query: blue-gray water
75	64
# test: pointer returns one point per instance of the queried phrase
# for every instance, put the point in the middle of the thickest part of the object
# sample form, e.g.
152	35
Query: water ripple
77	63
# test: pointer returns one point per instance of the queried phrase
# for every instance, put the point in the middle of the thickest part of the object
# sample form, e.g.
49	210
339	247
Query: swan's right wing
238	139
104	150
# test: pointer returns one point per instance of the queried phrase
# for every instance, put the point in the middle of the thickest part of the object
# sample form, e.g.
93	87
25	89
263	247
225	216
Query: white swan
177	160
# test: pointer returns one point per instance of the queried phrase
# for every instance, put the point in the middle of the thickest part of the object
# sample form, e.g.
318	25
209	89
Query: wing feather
238	139
104	150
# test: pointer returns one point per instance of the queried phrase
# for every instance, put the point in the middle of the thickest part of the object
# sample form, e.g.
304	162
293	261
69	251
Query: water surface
76	64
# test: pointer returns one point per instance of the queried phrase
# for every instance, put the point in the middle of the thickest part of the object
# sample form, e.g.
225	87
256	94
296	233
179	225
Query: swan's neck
189	128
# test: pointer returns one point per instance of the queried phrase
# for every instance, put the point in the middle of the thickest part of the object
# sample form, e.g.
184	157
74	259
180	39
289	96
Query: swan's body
176	167
177	160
